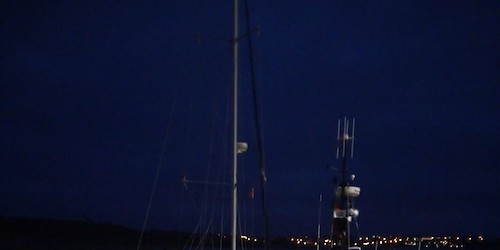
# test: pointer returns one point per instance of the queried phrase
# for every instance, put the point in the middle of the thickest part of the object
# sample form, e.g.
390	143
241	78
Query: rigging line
244	188
258	127
242	201
221	227
191	239
252	226
358	233
210	162
241	231
204	236
223	168
197	229
184	164
158	168
183	197
204	216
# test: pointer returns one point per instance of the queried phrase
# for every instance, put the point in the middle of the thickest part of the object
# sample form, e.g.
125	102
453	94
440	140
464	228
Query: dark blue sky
90	88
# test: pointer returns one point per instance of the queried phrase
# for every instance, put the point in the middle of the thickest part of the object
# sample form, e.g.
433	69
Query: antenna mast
343	210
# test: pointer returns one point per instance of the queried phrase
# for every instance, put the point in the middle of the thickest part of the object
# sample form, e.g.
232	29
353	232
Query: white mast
235	127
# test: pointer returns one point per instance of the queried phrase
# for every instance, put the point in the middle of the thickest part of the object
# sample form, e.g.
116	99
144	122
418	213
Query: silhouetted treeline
24	233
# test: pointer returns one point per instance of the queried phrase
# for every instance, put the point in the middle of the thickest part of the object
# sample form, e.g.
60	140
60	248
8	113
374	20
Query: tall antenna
343	210
344	138
338	137
352	137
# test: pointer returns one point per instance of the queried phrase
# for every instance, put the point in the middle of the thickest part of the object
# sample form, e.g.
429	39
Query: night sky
96	95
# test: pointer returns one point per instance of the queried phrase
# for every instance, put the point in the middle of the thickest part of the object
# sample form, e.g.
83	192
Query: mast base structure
343	207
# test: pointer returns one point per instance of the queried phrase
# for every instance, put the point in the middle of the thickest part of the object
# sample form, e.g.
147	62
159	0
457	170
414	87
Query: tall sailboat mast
235	128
